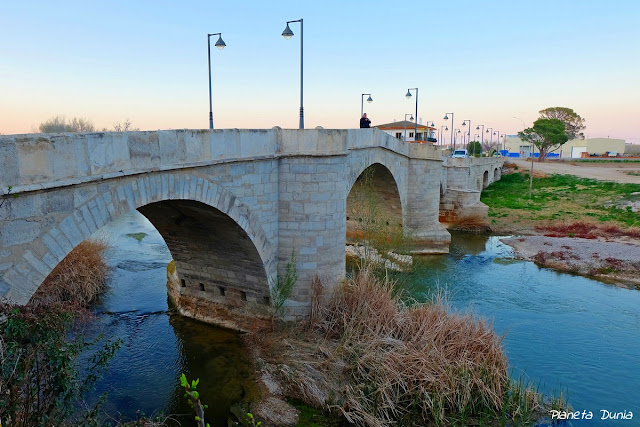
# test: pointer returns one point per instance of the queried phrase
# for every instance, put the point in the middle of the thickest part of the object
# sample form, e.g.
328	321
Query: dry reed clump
78	278
412	364
588	230
470	223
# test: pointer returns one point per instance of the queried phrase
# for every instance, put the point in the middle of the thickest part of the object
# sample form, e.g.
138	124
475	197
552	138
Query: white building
404	127
573	149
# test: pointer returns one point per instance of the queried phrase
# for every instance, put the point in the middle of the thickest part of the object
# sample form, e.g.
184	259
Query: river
563	332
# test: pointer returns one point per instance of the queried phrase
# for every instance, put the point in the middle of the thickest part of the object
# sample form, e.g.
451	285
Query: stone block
19	232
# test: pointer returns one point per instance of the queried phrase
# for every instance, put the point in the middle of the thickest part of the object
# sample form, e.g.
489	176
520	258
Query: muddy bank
615	262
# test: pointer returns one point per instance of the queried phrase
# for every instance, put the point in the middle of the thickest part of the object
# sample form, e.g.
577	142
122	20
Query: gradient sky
486	61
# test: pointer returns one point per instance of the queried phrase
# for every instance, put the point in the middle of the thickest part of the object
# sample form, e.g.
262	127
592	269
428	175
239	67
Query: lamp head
369	99
411	117
287	33
220	44
487	131
478	127
464	123
446	117
446	128
408	95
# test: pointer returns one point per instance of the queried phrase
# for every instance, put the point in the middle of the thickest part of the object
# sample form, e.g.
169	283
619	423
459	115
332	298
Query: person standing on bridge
364	122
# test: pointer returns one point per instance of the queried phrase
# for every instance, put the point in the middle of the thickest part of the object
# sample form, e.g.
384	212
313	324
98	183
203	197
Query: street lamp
427	130
369	100
287	34
481	135
446	117
464	123
405	125
220	45
490	132
497	133
408	95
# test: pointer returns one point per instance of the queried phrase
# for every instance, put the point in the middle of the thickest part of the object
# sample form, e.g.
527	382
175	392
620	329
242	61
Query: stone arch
385	196
496	175
485	179
106	200
391	162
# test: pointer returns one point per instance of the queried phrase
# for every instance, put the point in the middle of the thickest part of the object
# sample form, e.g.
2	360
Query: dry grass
415	364
378	361
587	230
78	278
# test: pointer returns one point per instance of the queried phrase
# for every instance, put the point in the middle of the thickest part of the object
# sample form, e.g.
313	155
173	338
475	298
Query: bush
78	278
413	364
40	382
59	124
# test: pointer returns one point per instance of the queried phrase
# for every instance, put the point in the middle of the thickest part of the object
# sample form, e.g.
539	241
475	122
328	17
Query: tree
574	124
546	134
474	148
124	127
59	124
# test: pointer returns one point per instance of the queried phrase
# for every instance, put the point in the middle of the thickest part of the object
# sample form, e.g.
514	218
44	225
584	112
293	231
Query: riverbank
373	360
616	263
577	225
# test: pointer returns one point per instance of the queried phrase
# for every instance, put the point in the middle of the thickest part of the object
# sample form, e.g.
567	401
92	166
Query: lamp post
220	45
287	34
497	133
464	123
446	117
427	131
369	100
408	95
405	125
490	132
481	135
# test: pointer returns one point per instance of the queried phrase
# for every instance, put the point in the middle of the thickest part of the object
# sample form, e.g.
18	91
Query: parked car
460	154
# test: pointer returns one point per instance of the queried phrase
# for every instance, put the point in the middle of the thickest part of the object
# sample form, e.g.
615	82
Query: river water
563	332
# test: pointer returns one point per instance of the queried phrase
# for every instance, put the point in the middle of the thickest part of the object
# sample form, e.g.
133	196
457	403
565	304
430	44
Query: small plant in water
283	287
193	397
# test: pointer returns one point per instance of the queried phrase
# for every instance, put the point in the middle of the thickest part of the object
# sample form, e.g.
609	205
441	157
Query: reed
413	364
79	278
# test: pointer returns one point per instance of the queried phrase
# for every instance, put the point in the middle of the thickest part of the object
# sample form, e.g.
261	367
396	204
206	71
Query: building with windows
399	129
573	149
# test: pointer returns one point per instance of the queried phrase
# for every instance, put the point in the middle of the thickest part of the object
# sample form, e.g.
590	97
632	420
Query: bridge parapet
40	161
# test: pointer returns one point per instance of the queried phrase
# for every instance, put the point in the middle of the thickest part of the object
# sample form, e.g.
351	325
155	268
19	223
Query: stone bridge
232	205
462	181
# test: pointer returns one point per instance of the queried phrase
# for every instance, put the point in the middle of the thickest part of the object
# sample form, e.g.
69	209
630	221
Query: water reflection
158	345
563	331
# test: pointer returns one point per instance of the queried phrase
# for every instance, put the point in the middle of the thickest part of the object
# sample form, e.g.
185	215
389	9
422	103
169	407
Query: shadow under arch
215	259
374	204
180	196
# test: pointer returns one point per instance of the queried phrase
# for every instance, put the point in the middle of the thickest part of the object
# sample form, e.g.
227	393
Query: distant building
573	149
397	129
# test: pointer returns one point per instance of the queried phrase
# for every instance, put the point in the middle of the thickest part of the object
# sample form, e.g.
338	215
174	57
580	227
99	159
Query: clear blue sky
484	61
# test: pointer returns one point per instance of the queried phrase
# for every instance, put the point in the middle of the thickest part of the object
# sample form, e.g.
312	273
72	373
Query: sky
495	63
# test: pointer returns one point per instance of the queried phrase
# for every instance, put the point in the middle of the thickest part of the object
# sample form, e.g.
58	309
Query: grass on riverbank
79	278
558	198
379	361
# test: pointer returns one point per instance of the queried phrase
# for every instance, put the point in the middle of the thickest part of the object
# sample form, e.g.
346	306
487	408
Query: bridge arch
385	163
169	200
374	196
